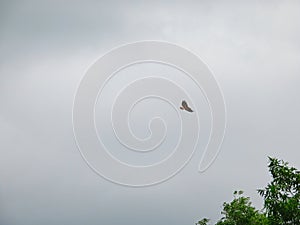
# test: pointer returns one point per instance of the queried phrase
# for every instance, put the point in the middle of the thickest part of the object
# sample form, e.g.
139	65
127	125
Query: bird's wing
184	104
189	109
186	107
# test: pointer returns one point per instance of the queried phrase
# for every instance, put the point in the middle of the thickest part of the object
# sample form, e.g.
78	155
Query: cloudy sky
45	48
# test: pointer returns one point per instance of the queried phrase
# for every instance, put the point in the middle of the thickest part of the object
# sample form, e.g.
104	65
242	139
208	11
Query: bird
184	106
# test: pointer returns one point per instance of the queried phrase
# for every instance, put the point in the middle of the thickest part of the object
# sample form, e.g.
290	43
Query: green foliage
282	194
204	221
281	201
241	212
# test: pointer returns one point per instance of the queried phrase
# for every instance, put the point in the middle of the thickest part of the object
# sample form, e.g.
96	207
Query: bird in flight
184	106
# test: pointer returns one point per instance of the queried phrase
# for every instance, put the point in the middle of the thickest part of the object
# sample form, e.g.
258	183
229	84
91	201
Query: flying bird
184	106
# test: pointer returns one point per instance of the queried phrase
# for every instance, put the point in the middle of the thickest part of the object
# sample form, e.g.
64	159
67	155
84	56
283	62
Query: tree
204	221
241	212
281	201
282	194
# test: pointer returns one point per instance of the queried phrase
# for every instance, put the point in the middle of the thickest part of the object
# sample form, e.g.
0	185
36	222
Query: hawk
184	106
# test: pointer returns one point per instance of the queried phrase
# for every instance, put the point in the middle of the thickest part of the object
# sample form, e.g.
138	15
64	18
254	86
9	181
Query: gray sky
45	48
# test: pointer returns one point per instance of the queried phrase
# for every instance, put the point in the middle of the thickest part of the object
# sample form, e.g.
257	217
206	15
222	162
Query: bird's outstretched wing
186	107
184	104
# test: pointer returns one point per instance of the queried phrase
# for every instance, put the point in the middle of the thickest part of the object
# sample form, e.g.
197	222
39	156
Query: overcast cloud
45	48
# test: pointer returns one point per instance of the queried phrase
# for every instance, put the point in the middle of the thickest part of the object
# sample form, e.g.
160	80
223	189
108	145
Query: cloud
46	46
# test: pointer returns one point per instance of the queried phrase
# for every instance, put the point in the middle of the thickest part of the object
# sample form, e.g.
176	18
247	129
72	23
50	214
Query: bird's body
184	106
